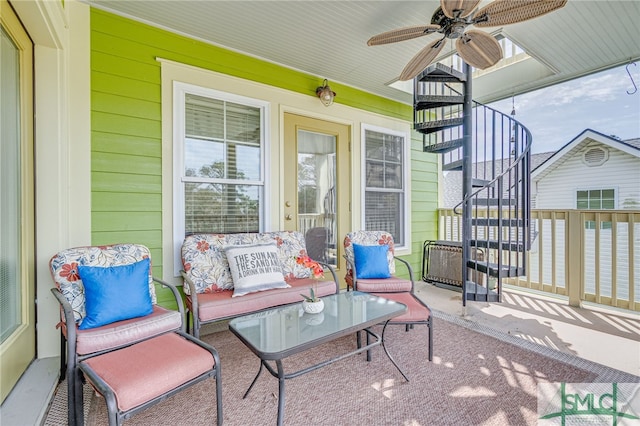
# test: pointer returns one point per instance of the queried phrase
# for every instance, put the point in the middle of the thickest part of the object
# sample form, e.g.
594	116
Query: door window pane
317	194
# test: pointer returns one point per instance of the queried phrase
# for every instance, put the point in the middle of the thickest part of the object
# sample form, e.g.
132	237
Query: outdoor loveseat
214	265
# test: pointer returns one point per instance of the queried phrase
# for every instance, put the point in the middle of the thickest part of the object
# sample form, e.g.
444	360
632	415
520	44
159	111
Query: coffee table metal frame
375	315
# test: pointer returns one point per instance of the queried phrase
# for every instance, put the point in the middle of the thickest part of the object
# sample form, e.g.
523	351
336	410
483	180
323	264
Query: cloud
557	114
604	86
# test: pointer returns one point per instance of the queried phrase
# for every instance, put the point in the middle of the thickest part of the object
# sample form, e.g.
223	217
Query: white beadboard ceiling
328	38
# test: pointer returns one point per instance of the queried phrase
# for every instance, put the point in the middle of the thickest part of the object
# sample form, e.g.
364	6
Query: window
385	195
218	162
13	190
596	199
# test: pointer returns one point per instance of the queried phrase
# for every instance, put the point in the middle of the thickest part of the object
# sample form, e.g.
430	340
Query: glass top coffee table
277	333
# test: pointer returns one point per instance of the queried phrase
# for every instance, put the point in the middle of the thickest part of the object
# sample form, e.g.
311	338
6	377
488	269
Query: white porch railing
310	220
589	256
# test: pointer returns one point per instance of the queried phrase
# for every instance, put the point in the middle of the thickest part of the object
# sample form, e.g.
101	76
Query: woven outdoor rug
476	378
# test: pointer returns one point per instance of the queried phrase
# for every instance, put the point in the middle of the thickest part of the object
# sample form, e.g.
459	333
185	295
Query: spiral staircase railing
492	150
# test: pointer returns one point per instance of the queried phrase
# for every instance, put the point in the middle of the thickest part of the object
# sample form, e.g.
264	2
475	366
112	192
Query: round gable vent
595	156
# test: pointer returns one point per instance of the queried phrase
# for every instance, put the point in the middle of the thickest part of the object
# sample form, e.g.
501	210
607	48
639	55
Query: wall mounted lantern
325	93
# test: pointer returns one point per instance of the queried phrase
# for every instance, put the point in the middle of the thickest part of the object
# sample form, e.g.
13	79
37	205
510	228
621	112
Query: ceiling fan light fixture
325	93
478	49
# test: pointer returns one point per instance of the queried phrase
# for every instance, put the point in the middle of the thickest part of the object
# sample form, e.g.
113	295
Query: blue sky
557	114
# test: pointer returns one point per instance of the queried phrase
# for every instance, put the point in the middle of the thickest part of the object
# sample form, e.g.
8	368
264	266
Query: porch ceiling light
325	93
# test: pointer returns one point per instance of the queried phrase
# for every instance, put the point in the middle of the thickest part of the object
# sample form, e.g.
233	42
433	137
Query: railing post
573	262
467	188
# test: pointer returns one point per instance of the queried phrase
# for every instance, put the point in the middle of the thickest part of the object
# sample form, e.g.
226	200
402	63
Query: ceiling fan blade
422	59
504	12
402	34
479	49
462	8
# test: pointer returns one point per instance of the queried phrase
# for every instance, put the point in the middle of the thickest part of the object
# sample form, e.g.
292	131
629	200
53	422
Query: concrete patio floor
606	336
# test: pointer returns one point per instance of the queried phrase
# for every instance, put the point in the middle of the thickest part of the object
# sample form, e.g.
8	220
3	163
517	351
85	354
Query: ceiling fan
477	48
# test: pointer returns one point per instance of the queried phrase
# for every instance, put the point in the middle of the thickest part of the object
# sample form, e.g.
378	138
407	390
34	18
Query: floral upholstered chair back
64	269
205	263
369	238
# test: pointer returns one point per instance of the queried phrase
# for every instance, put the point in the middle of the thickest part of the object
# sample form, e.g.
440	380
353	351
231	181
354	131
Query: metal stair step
493	244
443	147
493	270
479	293
479	183
494	201
439	72
437	125
496	222
423	102
454	165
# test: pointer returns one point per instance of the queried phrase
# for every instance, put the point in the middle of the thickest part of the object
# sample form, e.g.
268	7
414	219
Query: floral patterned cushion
369	238
64	269
205	262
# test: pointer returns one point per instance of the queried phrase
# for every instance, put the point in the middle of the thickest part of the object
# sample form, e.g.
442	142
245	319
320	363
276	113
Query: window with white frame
385	163
218	162
596	199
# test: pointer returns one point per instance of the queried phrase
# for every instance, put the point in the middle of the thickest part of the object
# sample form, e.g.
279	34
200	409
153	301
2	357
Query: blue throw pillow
115	293
371	261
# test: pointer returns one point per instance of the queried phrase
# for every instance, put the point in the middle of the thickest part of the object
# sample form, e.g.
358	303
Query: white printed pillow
254	268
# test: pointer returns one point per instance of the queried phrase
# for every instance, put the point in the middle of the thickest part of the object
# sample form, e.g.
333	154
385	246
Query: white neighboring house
592	162
592	172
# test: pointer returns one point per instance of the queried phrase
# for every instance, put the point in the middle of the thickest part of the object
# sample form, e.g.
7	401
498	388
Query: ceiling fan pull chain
635	88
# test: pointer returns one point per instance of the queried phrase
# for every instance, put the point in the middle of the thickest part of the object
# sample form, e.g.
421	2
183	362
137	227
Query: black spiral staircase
493	151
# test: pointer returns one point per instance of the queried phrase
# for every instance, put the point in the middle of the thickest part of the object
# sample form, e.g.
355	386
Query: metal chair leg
63	357
430	330
71	400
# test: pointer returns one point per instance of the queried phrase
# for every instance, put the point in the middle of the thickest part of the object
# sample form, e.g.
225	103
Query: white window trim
406	247
597	188
180	89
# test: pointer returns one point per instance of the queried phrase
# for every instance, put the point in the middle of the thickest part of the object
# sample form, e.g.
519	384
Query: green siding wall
424	202
126	141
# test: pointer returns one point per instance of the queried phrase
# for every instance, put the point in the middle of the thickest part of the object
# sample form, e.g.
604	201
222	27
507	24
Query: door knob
287	217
